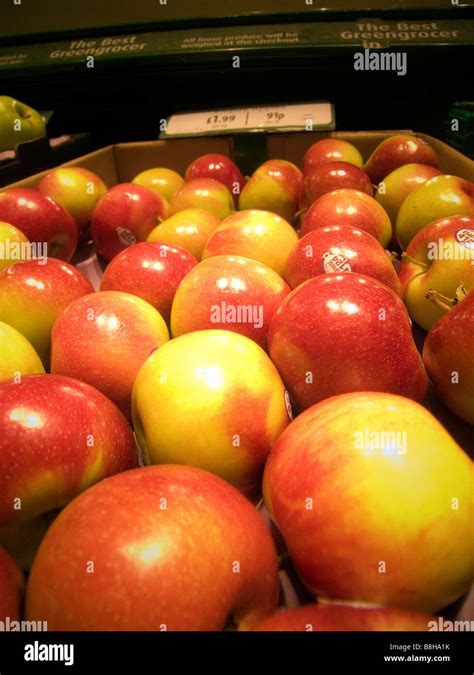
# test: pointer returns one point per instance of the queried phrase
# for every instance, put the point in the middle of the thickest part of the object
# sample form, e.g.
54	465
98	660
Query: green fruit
18	123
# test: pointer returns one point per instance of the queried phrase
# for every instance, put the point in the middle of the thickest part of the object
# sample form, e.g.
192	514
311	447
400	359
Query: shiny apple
275	186
203	193
190	229
330	150
396	151
219	167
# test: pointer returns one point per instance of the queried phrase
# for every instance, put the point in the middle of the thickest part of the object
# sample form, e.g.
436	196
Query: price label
298	117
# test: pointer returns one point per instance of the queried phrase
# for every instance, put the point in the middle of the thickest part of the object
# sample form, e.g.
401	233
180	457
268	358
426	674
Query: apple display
275	186
77	190
333	176
103	339
367	489
18	123
203	193
40	219
220	168
190	229
338	333
261	235
173	548
17	355
12	585
124	216
439	197
340	249
150	270
210	399
447	354
331	150
228	292
58	436
396	151
161	180
439	258
32	295
14	245
352	208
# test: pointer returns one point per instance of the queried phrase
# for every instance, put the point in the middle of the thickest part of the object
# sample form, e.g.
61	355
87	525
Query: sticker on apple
289	409
465	237
334	262
126	237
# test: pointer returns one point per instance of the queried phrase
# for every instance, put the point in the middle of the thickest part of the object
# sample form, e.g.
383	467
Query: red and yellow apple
190	229
124	216
163	181
261	235
275	186
330	150
219	167
333	176
203	193
12	586
103	339
17	356
170	548
150	270
439	258
339	249
338	333
14	245
32	295
228	292
210	399
396	151
367	489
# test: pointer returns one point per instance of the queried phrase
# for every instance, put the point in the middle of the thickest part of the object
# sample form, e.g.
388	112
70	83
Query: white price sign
301	116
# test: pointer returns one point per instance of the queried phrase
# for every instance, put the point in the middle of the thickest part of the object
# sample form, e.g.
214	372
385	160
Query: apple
333	176
228	292
210	399
335	617
103	339
32	295
203	193
448	357
352	208
173	548
338	333
40	219
396	187
58	436
75	189
14	245
440	257
275	186
19	123
339	249
124	216
439	197
396	151
190	229
261	235
330	150
150	270
367	489
12	585
161	180
17	355
220	168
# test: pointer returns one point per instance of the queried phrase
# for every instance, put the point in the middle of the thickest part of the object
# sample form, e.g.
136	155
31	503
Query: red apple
352	208
41	219
189	229
396	151
58	436
218	167
150	270
330	150
32	295
103	339
338	333
203	193
439	258
77	190
12	586
367	489
126	215
275	186
333	176
333	617
228	292
336	249
172	548
447	355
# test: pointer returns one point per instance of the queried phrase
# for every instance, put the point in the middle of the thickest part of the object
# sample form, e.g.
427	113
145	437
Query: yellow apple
164	182
17	355
14	245
190	229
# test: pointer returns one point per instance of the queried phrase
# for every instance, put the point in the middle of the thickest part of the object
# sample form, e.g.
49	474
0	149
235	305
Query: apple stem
392	255
414	260
442	301
298	213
